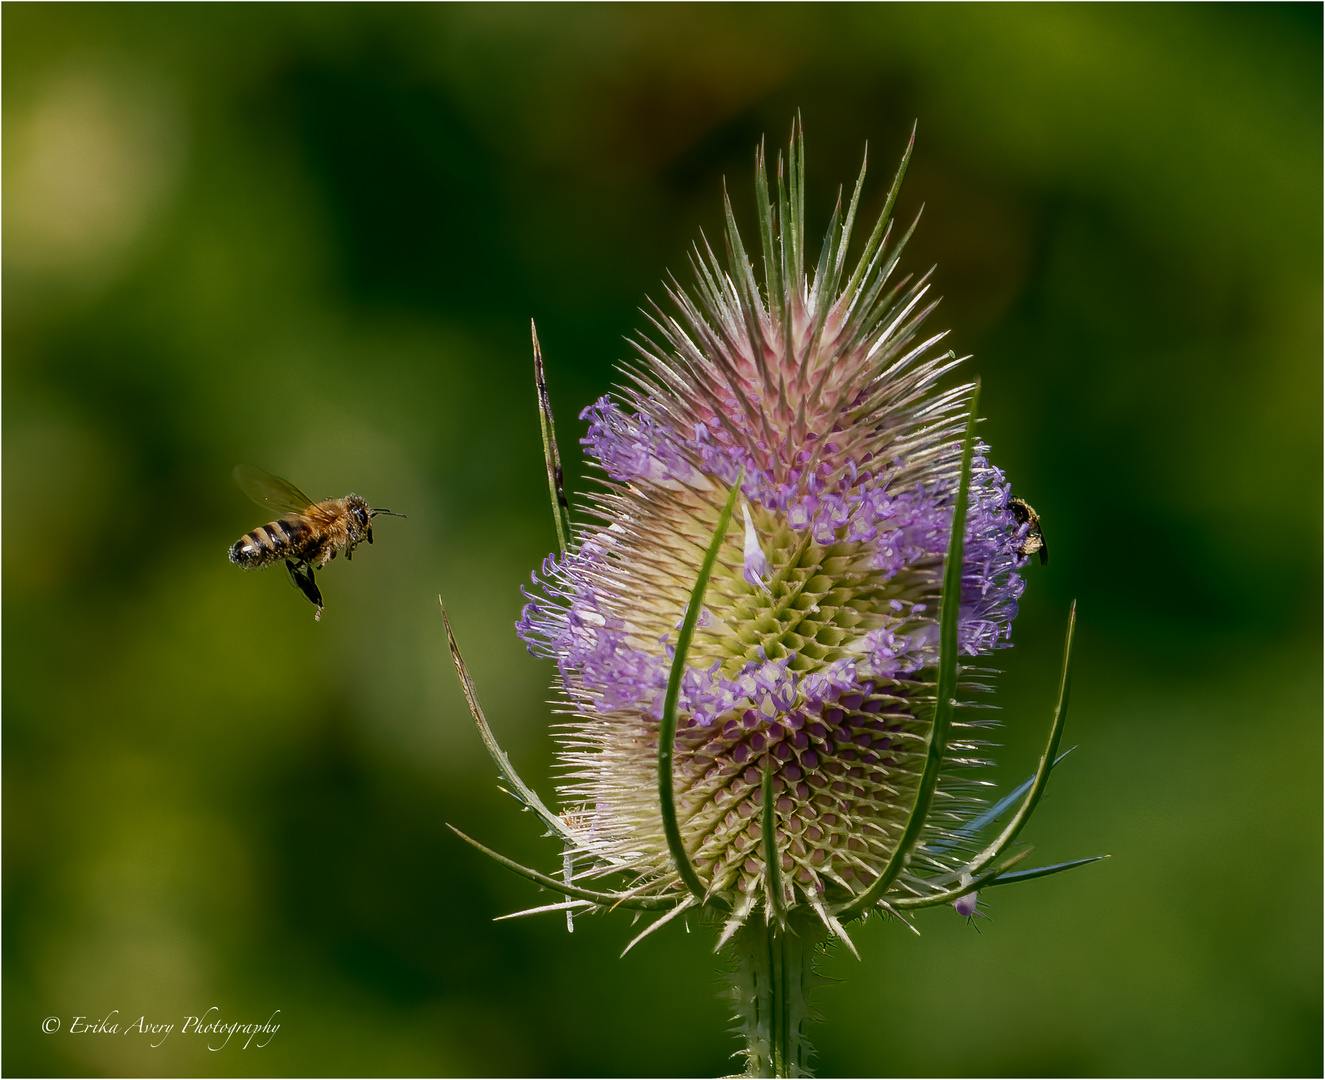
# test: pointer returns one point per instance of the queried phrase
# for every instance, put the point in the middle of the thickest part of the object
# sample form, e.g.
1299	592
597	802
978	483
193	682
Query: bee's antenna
378	510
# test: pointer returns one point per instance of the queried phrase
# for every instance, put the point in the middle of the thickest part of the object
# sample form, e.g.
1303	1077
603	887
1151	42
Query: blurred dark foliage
312	237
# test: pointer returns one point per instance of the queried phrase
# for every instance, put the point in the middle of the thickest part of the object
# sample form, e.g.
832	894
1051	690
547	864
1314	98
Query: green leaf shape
667	730
1042	871
640	903
949	609
1001	875
522	791
555	483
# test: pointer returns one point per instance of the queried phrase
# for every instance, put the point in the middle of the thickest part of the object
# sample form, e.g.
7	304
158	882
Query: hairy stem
771	983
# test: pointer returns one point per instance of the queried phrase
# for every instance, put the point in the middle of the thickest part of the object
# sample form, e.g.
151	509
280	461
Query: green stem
771	988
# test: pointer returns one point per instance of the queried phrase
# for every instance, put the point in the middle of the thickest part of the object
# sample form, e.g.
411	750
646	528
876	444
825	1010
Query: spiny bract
816	647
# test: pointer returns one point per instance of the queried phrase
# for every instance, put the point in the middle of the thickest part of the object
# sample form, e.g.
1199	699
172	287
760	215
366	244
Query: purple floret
842	500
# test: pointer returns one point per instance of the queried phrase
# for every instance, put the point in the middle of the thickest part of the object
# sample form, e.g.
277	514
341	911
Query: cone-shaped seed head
818	638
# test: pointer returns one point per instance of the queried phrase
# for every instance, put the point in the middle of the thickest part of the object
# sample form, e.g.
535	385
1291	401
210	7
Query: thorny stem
771	989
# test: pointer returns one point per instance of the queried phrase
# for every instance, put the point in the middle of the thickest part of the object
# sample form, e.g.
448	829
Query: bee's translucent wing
270	491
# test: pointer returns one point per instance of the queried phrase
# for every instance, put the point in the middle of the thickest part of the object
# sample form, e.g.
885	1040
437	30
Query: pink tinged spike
756	562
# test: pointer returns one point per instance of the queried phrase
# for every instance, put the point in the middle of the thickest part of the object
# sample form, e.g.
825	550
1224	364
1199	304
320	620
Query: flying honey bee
1023	512
308	534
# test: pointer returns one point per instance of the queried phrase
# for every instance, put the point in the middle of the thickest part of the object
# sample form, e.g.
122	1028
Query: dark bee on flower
308	535
1024	514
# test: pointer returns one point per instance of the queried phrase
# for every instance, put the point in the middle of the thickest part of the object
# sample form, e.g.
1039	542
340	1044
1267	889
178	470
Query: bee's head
360	519
372	513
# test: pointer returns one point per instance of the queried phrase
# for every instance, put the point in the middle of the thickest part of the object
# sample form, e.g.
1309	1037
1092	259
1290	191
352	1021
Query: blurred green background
312	237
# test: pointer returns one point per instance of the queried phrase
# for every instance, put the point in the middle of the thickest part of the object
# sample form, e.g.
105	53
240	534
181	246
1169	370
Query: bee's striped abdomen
283	539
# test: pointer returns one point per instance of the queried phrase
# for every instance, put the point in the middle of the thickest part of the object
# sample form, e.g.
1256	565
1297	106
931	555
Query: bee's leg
301	575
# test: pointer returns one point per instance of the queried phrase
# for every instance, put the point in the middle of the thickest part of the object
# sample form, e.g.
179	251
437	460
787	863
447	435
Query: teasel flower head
757	629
